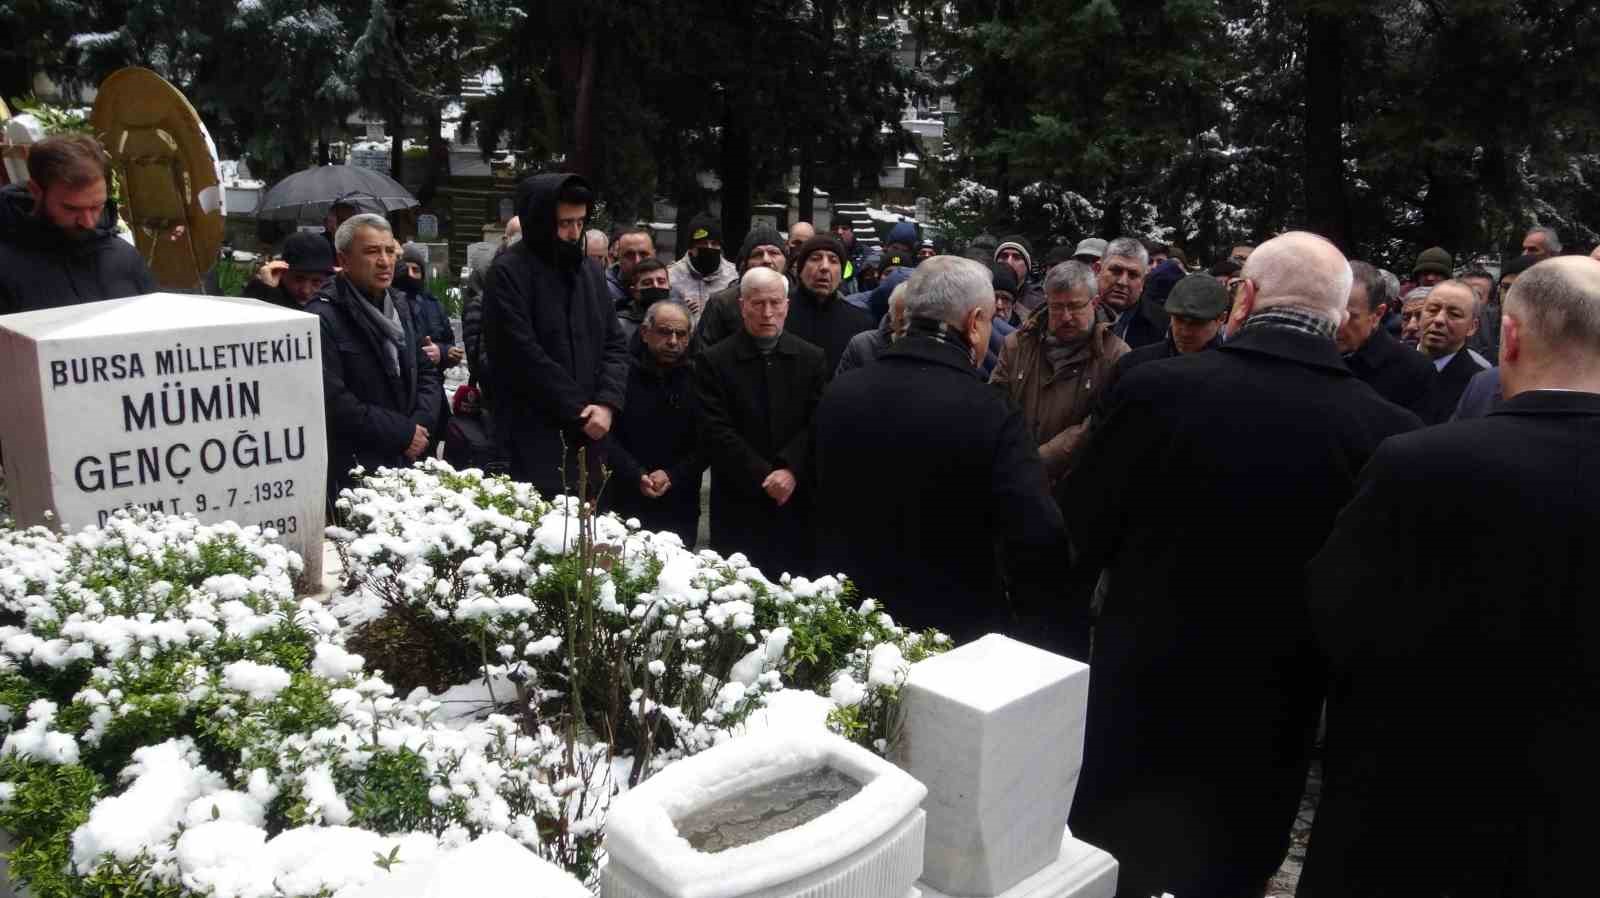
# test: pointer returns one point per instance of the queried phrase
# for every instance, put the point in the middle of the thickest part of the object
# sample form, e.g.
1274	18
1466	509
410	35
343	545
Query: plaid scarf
1295	319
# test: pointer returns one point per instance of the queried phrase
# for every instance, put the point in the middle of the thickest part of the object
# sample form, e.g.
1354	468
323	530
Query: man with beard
818	313
559	361
294	280
1055	364
702	271
763	248
654	458
58	232
757	392
382	395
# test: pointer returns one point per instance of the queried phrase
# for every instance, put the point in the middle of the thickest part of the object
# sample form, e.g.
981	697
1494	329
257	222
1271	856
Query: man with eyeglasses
653	454
1054	366
558	357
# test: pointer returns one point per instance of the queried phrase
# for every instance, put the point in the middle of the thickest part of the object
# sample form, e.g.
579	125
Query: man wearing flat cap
1196	310
294	280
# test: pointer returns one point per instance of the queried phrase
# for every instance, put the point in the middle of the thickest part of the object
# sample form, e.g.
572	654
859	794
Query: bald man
1212	480
1461	627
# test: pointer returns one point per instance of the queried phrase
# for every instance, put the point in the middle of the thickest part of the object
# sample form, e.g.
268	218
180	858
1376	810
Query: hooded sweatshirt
42	268
553	341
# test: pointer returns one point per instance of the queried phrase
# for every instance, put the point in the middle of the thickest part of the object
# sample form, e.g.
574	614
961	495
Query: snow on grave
994	729
492	866
199	405
778	813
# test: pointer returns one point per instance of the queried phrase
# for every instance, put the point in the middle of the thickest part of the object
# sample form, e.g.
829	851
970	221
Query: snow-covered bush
178	723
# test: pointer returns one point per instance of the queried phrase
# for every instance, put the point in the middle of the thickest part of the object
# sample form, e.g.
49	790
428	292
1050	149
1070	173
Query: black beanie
1004	278
760	235
821	241
704	226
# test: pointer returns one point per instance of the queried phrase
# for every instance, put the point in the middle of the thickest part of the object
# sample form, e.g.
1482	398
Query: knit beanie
819	242
414	252
1018	243
704	226
760	235
903	232
1003	277
1434	259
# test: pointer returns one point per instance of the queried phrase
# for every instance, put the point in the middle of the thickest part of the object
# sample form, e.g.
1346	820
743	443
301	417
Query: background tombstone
187	404
994	729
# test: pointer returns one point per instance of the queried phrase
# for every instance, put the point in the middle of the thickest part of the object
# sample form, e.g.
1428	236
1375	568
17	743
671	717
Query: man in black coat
818	313
1455	599
382	394
557	359
1397	372
966	504
1449	319
757	392
654	451
1211	482
298	277
58	232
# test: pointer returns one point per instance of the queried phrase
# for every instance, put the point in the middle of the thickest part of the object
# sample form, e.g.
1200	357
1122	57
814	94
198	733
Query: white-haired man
381	393
757	391
1469	654
966	478
1211	482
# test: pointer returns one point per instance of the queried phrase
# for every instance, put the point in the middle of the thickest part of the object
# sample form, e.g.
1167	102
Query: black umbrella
307	195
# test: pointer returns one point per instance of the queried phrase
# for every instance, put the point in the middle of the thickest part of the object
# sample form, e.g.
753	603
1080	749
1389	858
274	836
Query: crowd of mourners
1288	483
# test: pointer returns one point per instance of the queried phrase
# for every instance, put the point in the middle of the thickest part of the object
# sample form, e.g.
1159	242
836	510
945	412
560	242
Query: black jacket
1211	482
966	474
257	289
718	321
553	342
1397	372
371	416
1455	600
431	321
828	324
41	268
1444	393
657	432
755	417
1144	323
1154	352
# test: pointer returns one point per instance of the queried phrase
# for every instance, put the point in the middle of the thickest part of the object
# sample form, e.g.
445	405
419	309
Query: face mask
706	260
651	295
404	282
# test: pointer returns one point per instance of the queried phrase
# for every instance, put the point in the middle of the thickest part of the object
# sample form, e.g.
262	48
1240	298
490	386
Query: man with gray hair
1541	243
653	448
1055	364
382	395
1486	616
1211	482
1134	319
961	536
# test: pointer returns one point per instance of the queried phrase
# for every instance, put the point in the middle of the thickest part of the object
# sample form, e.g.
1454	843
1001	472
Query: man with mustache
58	232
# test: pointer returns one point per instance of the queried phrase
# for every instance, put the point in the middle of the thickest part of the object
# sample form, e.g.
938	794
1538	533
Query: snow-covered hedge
179	723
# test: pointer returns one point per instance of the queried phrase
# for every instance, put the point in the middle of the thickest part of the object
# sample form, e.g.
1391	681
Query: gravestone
427	228
199	405
994	729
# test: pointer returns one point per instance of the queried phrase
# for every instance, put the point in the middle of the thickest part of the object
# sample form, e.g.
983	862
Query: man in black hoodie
558	361
58	232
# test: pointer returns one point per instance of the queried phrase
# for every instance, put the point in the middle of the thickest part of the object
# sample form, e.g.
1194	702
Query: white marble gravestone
182	404
994	729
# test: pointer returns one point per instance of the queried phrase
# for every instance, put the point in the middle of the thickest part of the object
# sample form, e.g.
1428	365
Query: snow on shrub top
176	716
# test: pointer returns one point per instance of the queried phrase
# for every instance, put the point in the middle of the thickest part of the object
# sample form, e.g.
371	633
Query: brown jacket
1055	405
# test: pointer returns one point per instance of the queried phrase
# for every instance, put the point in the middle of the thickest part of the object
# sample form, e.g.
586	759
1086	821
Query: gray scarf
386	325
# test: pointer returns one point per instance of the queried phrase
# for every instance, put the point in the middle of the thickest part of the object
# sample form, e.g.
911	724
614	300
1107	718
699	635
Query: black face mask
706	260
650	295
405	283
